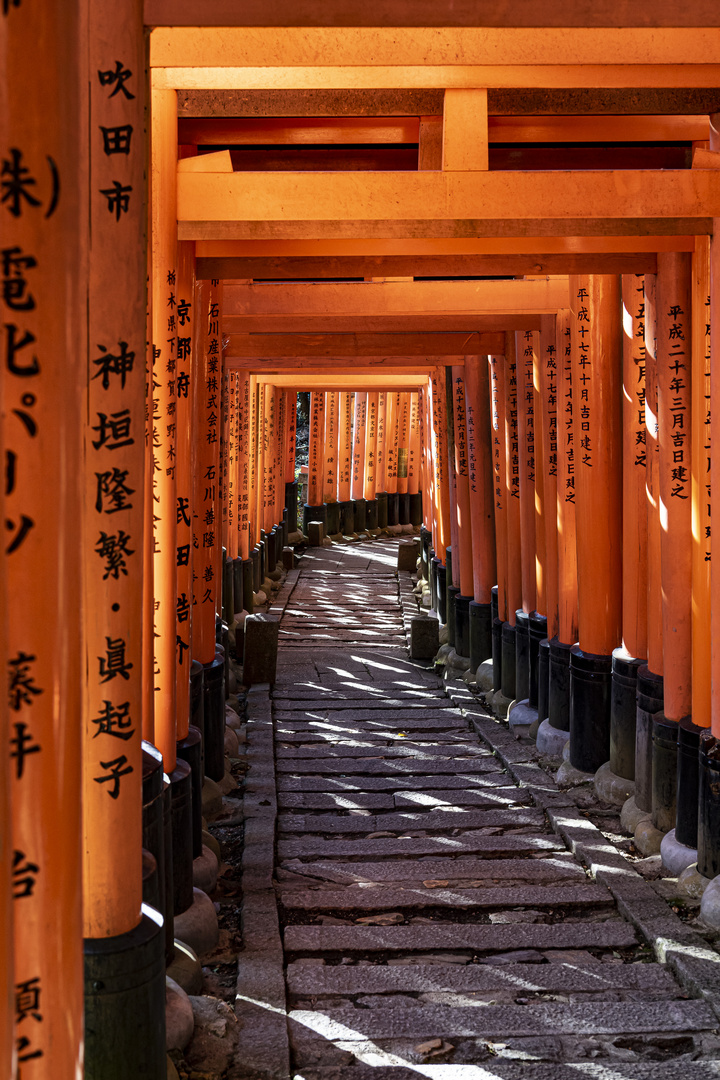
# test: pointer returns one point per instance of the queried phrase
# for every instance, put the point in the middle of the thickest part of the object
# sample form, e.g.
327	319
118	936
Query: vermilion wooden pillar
499	607
44	234
630	656
525	345
597	368
381	493
346	408
415	451
403	454
314	509
480	480
393	449
512	495
185	450
674	381
330	452
465	538
360	461
441	486
369	486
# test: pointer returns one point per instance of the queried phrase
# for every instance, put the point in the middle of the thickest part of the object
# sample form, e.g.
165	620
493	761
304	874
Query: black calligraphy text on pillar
569	419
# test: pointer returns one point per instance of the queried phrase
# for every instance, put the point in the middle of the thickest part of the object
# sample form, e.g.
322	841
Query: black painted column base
649	702
125	1003
291	505
508	664
333	519
686	822
664	771
425	542
543	669
623	713
214	707
416	514
393	508
314	513
451	593
347	517
238	585
151	893
590	682
559	685
537	630
228	590
197	705
189	750
255	560
462	624
480	643
182	836
156	806
708	840
404	509
382	509
248	575
361	514
371	516
497	653
433	565
441	605
522	655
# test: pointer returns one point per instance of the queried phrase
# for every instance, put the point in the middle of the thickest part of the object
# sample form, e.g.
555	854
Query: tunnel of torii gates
518	359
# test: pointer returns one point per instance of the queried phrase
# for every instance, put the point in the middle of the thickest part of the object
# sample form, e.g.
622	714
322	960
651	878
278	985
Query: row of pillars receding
567	542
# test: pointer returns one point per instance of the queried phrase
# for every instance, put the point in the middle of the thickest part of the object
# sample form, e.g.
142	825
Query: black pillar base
543	667
189	750
370	522
248	572
425	541
708	841
362	513
314	513
559	685
168	887
497	650
182	836
623	713
507	663
590	682
238	585
228	590
347	517
125	1004
462	624
686	822
404	509
537	630
393	508
416	514
150	881
382	509
333	519
214	741
255	560
649	702
522	655
197	706
479	634
261	554
664	772
155	785
441	590
451	592
291	505
433	564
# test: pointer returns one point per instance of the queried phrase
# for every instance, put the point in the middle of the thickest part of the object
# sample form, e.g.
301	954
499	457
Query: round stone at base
500	704
484	675
205	870
460	663
631	815
568	776
179	1019
211	799
469	677
210	841
647	838
521	717
198	926
551	740
186	969
676	857
710	905
691	883
611	788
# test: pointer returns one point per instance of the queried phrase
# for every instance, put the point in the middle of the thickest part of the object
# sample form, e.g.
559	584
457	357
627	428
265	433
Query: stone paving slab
508	1069
554	866
425	845
373	752
328	733
614	934
489	778
498	796
358	898
401	820
295	702
321	801
493	1021
520	979
384	766
515	795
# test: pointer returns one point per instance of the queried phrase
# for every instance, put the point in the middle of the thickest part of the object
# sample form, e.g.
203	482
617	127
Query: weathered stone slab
500	795
387	765
289	702
425	845
555	866
403	749
329	734
321	801
614	934
490	780
394	716
523	979
514	1069
493	1020
364	899
400	820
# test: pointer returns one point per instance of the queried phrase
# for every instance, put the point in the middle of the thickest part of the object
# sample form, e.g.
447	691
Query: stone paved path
433	923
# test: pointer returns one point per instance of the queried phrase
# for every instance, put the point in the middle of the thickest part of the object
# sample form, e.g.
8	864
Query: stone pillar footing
521	718
551	740
676	857
611	788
